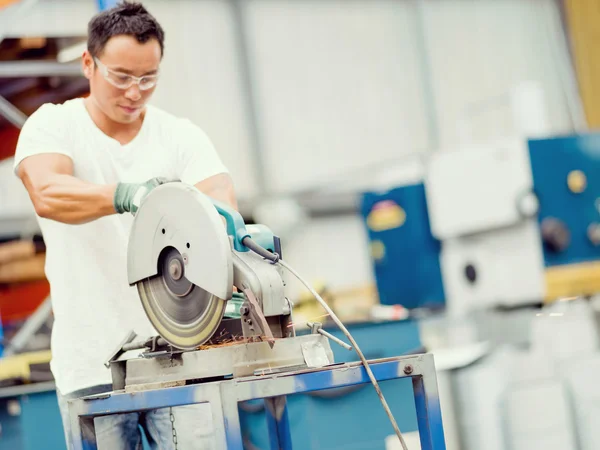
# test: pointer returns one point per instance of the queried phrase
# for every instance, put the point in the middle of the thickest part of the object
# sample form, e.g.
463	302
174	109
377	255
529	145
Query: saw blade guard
178	216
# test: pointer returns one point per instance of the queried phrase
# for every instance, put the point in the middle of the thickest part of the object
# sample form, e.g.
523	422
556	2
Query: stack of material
23	285
25	368
22	261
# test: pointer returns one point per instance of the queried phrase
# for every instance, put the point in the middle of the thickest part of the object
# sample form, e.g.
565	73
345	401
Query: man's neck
118	131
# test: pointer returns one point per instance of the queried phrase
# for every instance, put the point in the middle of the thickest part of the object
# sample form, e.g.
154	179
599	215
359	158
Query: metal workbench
224	397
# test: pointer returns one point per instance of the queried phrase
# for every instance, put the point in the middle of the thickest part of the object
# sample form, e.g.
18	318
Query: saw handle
236	227
242	235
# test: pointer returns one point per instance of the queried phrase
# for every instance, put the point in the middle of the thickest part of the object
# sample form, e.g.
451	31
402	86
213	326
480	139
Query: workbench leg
278	423
82	430
427	402
88	433
225	411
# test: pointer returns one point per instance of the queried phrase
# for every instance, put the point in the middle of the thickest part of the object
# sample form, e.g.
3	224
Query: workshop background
432	167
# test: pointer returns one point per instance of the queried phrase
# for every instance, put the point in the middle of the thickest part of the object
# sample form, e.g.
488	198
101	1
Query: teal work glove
129	196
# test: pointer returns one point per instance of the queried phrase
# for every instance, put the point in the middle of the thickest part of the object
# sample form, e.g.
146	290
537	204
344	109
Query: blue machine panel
36	425
405	255
552	160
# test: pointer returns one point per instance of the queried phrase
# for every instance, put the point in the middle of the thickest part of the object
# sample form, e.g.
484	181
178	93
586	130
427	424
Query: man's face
109	72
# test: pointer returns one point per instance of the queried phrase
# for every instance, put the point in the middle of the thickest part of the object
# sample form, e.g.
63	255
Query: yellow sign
386	215
577	181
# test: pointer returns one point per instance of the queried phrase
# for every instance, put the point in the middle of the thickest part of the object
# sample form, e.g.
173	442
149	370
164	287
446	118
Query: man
87	164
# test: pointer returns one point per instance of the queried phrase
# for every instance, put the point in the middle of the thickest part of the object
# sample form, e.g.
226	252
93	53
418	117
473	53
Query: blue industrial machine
553	218
566	180
30	418
403	250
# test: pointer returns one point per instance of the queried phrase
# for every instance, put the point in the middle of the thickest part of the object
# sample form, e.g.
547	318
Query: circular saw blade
185	315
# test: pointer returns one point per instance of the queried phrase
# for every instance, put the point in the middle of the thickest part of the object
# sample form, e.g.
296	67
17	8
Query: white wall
480	51
201	79
338	86
57	18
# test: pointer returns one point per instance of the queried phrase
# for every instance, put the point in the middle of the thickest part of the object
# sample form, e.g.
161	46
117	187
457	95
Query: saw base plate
131	371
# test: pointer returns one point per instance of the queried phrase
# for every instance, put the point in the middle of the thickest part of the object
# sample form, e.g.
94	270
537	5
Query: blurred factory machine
500	244
510	225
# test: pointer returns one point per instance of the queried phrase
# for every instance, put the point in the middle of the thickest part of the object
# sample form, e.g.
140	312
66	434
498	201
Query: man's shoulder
51	113
68	105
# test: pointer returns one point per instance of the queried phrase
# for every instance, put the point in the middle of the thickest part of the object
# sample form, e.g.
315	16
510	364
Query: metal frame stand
224	397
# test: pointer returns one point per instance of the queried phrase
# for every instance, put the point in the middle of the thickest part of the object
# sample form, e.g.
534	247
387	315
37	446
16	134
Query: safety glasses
125	81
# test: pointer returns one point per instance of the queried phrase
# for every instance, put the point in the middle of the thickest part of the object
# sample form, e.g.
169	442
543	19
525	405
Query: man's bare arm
220	187
58	195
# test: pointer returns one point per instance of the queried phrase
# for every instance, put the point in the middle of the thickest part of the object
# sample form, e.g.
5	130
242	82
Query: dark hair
128	18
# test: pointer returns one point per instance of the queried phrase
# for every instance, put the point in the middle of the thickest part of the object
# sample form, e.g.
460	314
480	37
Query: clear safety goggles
124	80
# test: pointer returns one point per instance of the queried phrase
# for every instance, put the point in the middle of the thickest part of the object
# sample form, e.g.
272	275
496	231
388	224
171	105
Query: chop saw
212	288
209	287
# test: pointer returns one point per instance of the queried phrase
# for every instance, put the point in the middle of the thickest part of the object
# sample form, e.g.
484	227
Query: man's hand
129	196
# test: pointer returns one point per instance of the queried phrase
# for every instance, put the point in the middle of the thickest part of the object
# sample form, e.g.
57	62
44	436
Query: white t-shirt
86	265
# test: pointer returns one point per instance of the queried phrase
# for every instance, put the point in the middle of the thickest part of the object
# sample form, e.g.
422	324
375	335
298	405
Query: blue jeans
193	425
121	431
